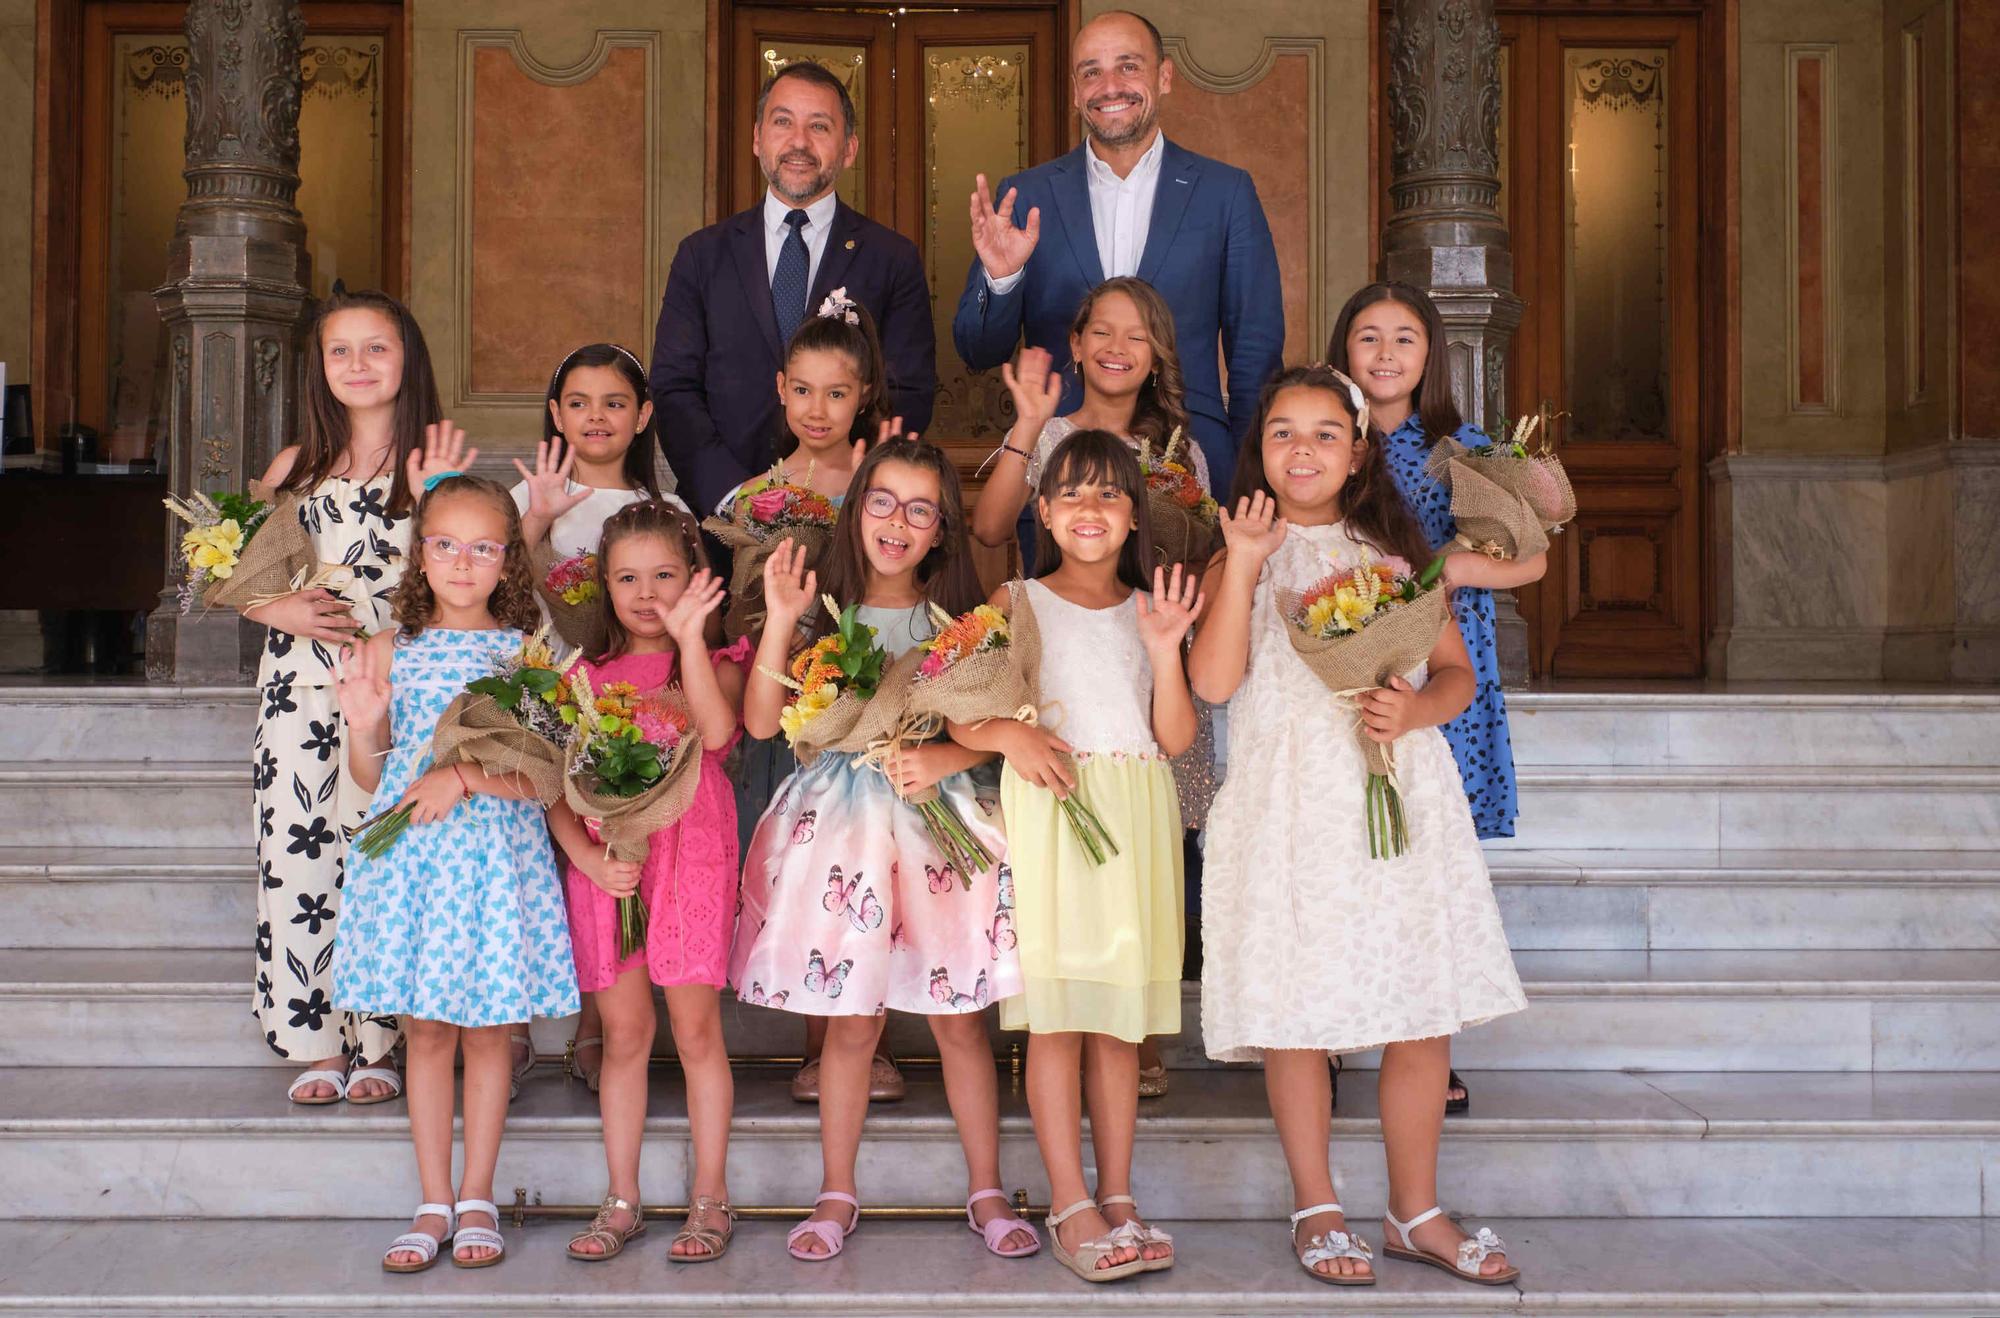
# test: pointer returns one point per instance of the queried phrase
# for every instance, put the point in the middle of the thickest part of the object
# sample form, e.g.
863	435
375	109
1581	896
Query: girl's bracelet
462	785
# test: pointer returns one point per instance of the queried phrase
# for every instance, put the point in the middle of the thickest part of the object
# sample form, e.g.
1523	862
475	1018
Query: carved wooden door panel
1601	177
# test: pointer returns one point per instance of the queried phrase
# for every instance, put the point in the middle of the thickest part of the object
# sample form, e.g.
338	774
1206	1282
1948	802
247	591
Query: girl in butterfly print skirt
370	398
656	593
849	909
459	927
1100	943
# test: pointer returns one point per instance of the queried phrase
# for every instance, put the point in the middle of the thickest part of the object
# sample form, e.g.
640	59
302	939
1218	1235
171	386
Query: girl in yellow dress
1099	943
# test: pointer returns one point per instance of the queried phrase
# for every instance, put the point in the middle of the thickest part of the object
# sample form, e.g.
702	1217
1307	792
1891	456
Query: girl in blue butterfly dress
459	928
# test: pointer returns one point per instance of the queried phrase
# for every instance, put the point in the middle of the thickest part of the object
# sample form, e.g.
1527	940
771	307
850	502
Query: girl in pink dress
657	593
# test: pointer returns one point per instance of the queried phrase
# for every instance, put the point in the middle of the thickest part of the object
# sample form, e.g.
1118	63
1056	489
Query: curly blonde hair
512	603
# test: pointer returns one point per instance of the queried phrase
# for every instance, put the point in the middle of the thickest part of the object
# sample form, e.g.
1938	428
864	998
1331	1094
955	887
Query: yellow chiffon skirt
1100	945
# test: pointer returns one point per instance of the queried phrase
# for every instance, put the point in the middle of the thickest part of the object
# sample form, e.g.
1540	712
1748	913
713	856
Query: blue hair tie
431	482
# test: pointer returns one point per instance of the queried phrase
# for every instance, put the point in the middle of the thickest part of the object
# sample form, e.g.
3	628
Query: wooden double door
1602	176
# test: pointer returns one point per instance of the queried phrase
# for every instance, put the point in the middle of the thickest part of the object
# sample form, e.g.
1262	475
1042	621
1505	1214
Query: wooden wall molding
1313	49
471	41
1812	253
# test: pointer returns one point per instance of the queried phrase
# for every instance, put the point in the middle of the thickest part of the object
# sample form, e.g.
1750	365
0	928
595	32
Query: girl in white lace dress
1311	946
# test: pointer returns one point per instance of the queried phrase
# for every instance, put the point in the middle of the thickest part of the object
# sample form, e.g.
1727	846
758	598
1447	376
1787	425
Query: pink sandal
831	1234
1000	1228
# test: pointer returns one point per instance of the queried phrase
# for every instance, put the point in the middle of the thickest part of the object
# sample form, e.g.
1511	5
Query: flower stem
379	834
631	925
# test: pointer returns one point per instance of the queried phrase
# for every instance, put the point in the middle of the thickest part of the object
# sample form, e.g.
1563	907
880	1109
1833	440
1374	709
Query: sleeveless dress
462	920
1101	945
1479	738
689	877
848	908
303	802
1308	942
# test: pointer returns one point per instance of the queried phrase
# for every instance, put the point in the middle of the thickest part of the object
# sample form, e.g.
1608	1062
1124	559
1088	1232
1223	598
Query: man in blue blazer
738	288
1130	202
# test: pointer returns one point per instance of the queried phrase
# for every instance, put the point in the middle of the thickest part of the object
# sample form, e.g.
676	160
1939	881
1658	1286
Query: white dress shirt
818	225
1121	211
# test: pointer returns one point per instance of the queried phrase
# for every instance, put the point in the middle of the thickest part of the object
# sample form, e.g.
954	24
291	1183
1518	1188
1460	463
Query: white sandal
1472	1251
420	1242
1139	1233
385	1074
1332	1245
477	1236
1084	1261
338	1079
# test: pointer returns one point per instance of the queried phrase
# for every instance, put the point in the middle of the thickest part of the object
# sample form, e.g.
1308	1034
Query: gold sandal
610	1238
696	1230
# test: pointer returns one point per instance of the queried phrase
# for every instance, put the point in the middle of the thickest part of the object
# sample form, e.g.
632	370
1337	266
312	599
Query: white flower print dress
304	803
1307	942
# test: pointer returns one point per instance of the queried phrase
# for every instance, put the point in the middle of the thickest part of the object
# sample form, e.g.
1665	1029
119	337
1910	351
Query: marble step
1622	723
1728	807
1885	1011
1582	900
125	720
82	1144
1773	1268
1749	724
86	803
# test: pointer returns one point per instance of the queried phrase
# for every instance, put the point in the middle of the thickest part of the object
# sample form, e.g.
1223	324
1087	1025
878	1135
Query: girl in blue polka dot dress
459	927
1384	339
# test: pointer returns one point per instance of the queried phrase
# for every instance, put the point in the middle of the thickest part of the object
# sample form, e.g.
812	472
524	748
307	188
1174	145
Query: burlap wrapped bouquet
762	517
1180	511
278	561
606	775
578	615
1505	500
475	729
1356	630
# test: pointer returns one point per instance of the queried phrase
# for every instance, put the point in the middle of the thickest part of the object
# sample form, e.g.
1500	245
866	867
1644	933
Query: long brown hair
646	442
859	342
648	517
945	574
1161	407
1098	457
327	425
1370	503
512	603
1431	402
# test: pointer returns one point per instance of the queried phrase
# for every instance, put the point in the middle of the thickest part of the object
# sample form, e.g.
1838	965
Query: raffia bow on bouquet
1182	514
849	697
514	721
760	518
1506	499
985	665
631	769
1355	630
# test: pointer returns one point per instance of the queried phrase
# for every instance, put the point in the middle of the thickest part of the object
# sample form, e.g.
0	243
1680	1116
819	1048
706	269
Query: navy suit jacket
1208	252
716	351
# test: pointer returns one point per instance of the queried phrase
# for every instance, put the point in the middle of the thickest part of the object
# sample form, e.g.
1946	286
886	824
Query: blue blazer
716	352
1208	252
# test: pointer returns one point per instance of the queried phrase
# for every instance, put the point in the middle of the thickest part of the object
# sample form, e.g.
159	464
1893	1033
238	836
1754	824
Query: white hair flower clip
1357	398
838	306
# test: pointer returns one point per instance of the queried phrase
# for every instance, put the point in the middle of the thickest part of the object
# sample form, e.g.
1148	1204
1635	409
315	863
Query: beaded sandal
479	1237
419	1242
610	1239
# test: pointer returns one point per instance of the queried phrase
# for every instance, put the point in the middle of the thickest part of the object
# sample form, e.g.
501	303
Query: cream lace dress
1307	941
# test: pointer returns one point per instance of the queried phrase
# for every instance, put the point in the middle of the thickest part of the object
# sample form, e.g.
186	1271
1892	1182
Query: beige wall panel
1918	334
1854	284
585	289
17	181
1256	100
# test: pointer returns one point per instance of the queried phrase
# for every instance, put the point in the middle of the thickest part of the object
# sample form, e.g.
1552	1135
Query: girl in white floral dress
1311	946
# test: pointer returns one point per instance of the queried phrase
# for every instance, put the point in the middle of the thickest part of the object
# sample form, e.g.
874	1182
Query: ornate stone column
235	295
1447	234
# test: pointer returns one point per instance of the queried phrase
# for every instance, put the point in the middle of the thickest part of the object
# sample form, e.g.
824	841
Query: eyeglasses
921	514
443	549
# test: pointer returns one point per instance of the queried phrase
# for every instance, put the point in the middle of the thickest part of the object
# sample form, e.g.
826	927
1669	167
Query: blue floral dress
1478	737
462	920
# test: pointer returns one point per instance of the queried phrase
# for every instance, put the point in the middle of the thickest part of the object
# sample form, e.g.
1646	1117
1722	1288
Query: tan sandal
610	1238
696	1230
1472	1251
1084	1261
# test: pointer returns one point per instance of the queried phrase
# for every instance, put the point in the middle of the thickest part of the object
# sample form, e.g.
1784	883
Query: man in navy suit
1130	202
738	289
